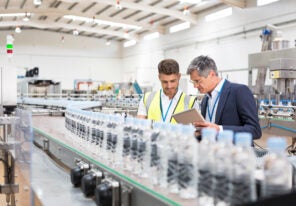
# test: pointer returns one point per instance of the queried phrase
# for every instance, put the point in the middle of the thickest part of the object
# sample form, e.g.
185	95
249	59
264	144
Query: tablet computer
189	116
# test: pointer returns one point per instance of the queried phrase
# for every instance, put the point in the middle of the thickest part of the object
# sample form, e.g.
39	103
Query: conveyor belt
52	184
53	131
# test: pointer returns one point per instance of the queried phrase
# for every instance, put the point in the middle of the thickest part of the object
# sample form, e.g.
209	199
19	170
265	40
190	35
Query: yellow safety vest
152	104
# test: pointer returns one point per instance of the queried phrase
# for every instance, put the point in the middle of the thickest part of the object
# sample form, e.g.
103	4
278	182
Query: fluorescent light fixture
108	42
179	27
190	1
15	14
129	43
219	14
101	22
18	30
75	32
37	2
26	18
153	35
265	2
186	11
118	5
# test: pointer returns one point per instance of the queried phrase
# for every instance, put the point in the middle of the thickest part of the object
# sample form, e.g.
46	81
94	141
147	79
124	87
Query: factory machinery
276	101
15	141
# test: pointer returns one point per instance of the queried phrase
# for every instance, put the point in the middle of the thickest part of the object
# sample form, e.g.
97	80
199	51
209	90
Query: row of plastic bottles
218	172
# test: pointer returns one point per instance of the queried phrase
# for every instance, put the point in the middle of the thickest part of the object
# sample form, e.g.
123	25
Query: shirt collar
177	95
217	88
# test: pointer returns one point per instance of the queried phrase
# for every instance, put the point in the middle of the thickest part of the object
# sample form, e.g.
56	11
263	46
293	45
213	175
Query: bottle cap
209	134
243	139
188	129
225	136
276	144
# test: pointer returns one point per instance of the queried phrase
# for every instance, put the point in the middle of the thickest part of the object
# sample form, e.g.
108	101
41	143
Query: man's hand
206	124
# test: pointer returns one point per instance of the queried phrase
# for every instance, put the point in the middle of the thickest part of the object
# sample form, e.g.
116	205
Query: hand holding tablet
189	116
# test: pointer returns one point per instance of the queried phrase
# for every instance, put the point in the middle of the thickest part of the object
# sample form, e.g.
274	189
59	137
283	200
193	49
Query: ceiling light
75	32
14	14
186	11
101	22
126	34
129	43
26	18
153	35
179	27
190	1
219	14
118	5
37	2
108	42
265	2
18	30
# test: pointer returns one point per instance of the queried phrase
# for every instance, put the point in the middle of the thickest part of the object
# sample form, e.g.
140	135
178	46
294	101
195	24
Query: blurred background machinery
275	84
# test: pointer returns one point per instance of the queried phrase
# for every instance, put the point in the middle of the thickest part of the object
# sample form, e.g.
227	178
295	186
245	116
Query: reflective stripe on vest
152	104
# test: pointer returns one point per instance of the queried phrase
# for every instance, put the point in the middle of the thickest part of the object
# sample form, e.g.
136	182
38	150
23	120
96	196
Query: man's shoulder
238	88
237	85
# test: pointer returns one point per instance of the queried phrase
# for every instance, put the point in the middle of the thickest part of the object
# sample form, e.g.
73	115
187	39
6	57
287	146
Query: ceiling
140	17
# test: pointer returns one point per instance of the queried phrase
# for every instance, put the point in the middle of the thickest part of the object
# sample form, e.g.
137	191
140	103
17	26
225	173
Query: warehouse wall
82	58
224	40
75	58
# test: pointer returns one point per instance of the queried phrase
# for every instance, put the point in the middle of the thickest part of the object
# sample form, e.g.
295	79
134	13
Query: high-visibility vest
152	104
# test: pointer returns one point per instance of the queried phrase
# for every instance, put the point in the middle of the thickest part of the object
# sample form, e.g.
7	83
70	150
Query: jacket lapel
222	100
204	104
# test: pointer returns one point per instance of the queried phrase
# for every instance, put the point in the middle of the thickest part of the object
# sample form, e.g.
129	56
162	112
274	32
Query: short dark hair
203	65
168	67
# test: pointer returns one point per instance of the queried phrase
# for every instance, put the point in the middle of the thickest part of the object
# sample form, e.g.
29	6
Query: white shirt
165	100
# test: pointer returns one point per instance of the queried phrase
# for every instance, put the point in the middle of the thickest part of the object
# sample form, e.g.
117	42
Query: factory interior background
88	62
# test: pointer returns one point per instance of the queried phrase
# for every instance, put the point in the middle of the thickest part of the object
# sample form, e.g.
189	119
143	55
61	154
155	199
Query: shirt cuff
220	128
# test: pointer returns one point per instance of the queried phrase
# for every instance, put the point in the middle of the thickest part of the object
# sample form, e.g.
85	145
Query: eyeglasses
196	82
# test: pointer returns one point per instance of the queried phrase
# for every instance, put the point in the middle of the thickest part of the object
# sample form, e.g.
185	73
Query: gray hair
203	65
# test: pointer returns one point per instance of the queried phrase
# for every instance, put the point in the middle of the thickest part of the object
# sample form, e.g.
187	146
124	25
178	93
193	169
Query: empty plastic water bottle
243	170
277	170
187	161
223	168
206	163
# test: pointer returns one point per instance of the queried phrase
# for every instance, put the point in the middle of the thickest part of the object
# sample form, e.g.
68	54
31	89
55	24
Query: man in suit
226	105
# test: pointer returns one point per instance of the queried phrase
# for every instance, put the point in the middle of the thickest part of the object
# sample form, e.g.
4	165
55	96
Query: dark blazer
236	110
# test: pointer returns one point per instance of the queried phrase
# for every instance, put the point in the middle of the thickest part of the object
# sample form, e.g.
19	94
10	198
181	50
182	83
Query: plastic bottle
127	143
187	161
244	167
173	150
144	148
206	165
134	146
154	159
277	170
162	151
106	138
118	153
223	168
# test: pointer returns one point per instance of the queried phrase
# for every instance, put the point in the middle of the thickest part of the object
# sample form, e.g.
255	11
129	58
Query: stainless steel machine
275	89
15	132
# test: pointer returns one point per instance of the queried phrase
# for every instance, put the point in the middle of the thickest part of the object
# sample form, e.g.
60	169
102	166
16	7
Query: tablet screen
188	116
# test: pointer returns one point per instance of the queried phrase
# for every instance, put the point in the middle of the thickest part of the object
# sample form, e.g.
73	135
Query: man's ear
179	76
212	73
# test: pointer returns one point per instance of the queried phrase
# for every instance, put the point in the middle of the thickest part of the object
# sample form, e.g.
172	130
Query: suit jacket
236	110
